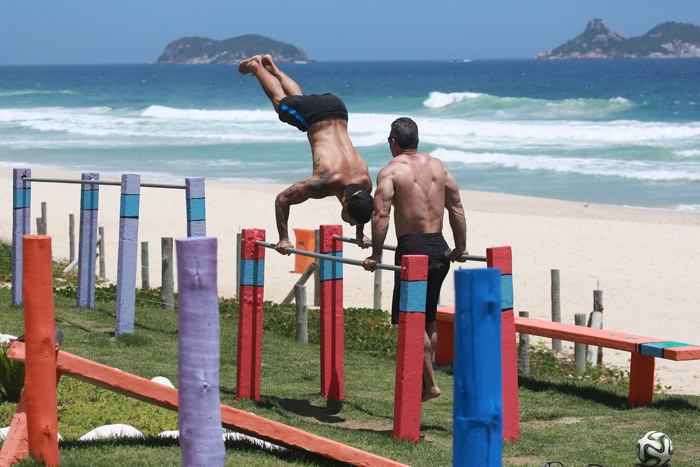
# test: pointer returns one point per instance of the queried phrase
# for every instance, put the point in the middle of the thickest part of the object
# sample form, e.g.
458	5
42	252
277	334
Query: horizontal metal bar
393	248
311	254
99	182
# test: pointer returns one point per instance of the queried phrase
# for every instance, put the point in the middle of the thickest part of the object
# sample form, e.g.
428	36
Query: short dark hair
405	132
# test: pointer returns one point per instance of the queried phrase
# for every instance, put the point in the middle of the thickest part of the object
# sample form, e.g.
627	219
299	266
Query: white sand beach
646	262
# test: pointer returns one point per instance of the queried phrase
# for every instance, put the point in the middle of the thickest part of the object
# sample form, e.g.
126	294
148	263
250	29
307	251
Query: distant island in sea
667	40
203	51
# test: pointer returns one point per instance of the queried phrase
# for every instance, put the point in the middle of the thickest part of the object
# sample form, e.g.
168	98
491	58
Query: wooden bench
644	350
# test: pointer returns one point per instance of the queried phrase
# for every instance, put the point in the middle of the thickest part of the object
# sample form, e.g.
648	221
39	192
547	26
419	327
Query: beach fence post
145	278
502	258
524	348
556	305
71	237
409	355
250	315
196	212
331	314
378	285
128	253
40	371
101	251
21	225
302	319
478	411
198	353
87	245
41	222
598	308
166	272
580	349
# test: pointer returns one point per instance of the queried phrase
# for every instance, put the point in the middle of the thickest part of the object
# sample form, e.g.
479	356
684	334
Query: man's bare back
419	192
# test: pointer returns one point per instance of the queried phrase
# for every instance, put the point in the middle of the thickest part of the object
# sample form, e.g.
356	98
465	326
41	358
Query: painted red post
641	379
39	332
501	257
250	315
332	336
409	356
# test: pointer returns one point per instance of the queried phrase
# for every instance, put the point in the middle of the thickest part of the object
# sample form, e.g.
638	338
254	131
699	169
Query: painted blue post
198	350
196	215
128	253
477	437
87	246
21	224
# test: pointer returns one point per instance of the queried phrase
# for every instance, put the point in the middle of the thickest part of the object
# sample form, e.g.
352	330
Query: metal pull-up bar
393	248
98	182
337	259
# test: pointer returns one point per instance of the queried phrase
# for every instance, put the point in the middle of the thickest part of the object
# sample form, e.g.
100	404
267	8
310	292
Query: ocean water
621	132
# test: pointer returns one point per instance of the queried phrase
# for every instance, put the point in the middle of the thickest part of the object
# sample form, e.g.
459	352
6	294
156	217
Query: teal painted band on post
253	272
129	206
331	270
656	349
89	200
507	292
412	298
195	209
21	198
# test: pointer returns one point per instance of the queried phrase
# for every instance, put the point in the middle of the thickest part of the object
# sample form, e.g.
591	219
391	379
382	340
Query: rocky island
203	51
667	40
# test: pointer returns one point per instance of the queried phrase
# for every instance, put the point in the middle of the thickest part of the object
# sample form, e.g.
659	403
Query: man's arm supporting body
314	187
458	222
383	198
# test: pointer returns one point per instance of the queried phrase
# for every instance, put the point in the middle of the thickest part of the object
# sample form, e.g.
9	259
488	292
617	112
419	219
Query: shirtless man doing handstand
338	170
420	188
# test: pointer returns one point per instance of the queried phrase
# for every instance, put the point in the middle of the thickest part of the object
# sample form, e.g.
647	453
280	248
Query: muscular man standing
419	187
338	170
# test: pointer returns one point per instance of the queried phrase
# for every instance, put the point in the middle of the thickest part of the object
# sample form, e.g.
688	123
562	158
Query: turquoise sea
622	132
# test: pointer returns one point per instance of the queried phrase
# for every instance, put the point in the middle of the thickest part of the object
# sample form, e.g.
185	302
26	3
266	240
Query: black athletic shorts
434	246
303	111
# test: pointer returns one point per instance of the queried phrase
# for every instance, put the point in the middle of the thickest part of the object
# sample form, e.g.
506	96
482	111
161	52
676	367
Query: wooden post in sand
524	348
580	349
167	281
71	237
556	306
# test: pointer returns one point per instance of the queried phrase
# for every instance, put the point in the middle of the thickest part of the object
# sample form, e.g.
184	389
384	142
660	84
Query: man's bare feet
249	65
269	65
431	393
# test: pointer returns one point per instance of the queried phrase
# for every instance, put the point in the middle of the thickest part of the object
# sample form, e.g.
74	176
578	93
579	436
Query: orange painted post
641	379
332	336
501	257
39	331
250	315
409	355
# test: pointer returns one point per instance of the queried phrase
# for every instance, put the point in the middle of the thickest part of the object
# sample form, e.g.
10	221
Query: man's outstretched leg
430	389
291	88
270	84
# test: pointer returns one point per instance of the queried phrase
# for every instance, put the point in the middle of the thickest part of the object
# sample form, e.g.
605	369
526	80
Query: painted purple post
196	214
21	224
128	253
87	246
198	352
478	391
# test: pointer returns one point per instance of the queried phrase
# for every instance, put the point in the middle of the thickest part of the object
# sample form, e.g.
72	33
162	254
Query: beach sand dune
646	262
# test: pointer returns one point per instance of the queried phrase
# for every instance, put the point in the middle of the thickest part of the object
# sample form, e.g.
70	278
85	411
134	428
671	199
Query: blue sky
137	31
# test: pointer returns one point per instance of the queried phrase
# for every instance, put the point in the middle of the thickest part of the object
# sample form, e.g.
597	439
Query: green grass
567	417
